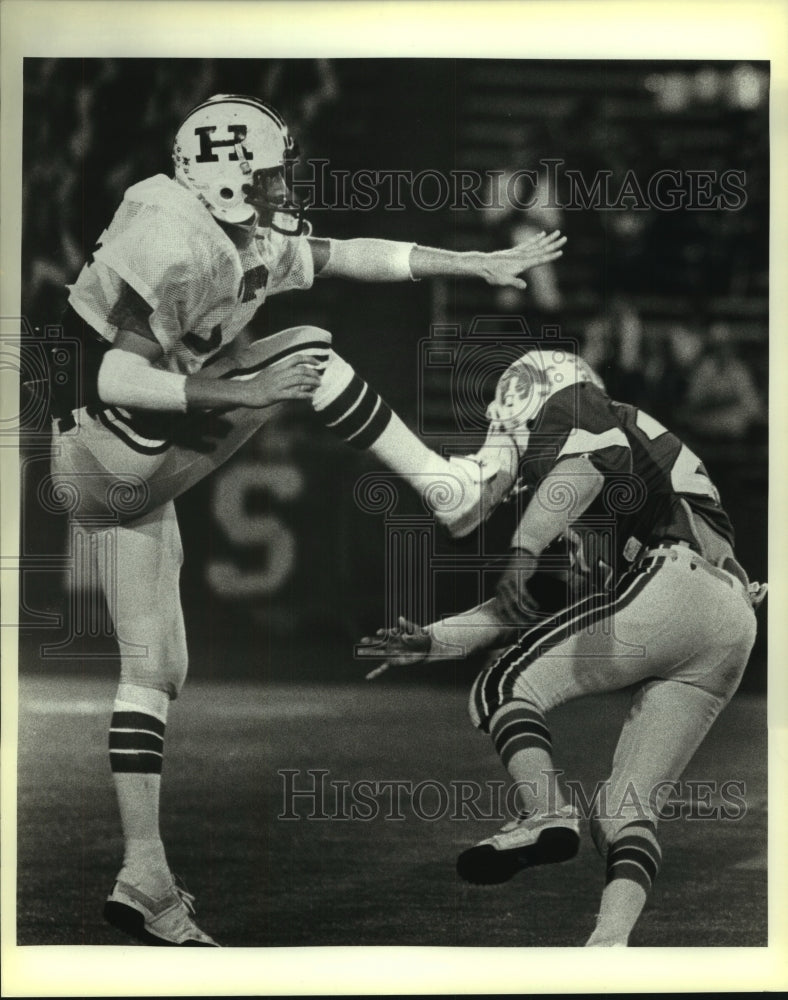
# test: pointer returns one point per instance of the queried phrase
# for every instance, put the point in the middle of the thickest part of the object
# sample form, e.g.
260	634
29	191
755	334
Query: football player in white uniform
160	310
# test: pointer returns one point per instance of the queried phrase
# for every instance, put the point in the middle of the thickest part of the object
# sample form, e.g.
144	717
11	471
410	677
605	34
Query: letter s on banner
245	528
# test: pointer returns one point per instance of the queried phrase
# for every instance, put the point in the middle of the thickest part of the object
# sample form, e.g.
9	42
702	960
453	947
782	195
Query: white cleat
163	920
482	482
522	843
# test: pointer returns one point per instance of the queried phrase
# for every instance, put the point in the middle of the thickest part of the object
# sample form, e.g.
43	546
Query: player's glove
516	604
407	643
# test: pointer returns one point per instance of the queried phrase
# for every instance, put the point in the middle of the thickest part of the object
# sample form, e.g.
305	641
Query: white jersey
202	289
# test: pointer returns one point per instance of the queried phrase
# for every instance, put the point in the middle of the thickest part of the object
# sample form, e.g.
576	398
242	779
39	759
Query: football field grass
375	865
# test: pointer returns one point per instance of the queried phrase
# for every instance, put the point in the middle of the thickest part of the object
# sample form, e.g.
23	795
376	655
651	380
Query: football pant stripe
127	435
250	370
496	686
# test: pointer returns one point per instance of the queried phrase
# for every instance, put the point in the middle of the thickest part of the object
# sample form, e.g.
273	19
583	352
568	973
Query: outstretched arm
387	260
450	639
562	497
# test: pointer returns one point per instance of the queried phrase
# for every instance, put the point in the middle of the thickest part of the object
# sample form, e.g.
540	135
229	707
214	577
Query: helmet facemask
269	194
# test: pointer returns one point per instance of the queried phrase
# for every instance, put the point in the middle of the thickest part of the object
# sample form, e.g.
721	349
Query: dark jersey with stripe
654	485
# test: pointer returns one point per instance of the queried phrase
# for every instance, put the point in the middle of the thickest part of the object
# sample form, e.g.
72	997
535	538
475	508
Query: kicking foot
165	919
482	482
521	843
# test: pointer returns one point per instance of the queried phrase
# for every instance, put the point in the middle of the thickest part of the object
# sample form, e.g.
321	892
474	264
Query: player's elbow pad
369	260
128	379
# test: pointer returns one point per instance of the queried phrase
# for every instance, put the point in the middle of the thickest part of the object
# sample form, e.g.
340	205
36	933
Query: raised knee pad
310	340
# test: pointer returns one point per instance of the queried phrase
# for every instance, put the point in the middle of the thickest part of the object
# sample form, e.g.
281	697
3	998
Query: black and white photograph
390	557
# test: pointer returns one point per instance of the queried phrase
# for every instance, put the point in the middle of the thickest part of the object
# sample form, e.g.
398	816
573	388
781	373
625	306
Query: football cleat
521	843
482	482
164	920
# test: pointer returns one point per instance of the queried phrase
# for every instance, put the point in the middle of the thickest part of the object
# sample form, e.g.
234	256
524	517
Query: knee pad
310	340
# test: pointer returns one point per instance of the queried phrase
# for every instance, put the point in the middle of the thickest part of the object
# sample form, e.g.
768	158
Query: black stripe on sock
525	714
631	870
137	720
619	853
641	843
535	728
374	428
352	422
135	763
523	741
344	401
135	741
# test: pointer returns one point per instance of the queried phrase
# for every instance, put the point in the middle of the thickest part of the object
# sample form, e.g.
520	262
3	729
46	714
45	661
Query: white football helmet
236	154
528	383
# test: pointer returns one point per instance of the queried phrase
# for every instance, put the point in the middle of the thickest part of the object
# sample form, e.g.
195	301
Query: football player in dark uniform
656	600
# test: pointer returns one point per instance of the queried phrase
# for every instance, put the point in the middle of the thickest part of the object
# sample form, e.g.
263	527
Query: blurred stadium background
285	568
670	305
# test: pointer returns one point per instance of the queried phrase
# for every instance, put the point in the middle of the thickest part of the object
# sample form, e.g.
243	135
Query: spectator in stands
613	346
721	399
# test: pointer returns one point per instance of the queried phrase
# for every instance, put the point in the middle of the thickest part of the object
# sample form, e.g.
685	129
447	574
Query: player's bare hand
407	643
296	377
504	267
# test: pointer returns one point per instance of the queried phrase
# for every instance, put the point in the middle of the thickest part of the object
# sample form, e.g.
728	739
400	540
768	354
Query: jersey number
687	474
253	280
